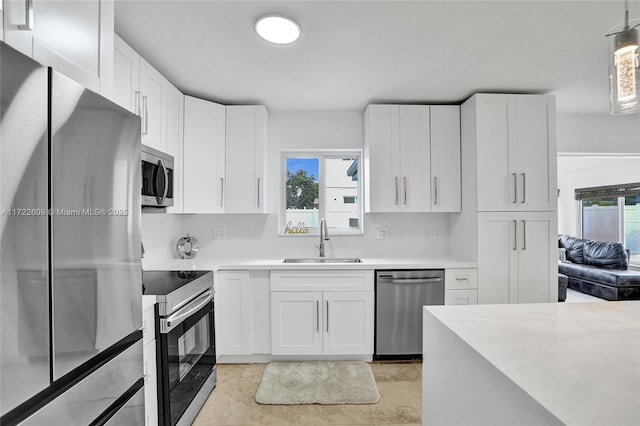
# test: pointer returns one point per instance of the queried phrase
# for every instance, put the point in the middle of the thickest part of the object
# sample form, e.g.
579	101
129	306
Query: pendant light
624	69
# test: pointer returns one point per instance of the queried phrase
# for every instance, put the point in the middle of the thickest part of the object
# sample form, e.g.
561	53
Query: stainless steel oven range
185	342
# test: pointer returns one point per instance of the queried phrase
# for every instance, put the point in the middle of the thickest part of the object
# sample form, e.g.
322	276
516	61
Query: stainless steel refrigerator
70	269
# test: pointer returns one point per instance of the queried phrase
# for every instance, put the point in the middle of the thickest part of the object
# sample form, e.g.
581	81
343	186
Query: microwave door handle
168	324
166	182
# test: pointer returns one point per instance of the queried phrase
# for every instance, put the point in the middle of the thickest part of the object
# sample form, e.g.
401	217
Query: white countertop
581	361
439	262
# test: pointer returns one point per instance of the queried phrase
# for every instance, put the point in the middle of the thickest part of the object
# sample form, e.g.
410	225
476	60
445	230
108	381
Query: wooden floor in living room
233	400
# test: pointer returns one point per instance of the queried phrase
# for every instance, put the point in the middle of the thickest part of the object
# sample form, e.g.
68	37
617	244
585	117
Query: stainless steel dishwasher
400	296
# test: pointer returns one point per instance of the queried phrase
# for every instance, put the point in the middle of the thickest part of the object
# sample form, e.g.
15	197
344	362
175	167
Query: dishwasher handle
389	280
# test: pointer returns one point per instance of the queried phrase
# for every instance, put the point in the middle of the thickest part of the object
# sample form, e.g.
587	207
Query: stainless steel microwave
157	178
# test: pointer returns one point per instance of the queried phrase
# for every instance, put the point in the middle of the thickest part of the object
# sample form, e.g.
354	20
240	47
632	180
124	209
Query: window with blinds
612	213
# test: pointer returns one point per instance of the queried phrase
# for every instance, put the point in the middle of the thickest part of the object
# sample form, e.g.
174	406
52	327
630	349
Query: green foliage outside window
302	190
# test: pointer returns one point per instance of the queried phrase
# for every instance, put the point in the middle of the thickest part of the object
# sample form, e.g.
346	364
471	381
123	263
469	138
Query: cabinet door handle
396	181
515	187
28	16
136	102
327	316
258	192
221	191
524	187
515	234
435	189
318	316
145	116
524	235
404	185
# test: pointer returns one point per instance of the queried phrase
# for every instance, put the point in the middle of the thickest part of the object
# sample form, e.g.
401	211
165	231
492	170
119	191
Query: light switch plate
382	233
219	233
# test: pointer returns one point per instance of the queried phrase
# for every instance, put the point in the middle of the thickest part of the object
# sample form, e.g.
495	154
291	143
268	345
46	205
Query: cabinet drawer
322	280
460	279
461	297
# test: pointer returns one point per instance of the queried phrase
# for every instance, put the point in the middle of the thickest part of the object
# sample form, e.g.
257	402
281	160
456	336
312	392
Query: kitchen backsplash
250	237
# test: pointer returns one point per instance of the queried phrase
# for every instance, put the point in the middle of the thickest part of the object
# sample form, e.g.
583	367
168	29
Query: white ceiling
352	53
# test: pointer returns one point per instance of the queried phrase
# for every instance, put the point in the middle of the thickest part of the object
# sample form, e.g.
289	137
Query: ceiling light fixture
278	29
624	68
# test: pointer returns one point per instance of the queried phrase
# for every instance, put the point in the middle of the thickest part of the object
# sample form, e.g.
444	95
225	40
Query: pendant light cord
626	15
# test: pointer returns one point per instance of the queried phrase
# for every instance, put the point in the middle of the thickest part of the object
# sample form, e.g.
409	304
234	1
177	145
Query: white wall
598	133
594	150
255	236
575	171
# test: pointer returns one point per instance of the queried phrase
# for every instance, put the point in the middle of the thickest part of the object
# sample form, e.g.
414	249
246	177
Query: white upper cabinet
247	138
382	158
174	135
144	91
126	76
151	106
412	158
397	165
516	152
415	166
204	156
73	37
445	158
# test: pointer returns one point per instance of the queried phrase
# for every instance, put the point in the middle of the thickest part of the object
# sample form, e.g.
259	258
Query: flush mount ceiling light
624	68
278	29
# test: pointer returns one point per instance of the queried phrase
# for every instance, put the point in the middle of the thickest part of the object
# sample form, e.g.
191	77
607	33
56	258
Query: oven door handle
168	324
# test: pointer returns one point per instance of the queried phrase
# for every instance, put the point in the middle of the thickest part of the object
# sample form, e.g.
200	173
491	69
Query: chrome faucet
324	235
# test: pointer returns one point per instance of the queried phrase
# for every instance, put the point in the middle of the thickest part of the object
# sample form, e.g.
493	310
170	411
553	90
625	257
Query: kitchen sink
324	260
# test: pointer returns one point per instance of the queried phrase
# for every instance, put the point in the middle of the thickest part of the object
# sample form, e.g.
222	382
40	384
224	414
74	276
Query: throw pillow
605	255
574	247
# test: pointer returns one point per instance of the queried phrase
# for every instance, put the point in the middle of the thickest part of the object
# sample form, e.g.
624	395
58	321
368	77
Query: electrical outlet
219	233
436	232
382	233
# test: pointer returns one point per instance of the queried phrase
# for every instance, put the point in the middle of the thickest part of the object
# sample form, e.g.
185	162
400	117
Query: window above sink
317	184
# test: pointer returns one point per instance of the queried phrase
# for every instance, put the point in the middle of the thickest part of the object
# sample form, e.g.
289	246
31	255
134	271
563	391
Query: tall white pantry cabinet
509	180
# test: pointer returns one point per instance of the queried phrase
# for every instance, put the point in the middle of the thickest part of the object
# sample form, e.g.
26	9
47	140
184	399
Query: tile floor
233	400
576	296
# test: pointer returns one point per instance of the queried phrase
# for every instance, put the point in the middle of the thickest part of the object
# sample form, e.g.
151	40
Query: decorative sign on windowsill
300	228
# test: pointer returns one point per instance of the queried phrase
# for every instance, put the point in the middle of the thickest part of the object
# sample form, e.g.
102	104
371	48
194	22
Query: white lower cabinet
296	323
242	315
309	321
149	361
461	297
461	286
517	257
348	319
150	384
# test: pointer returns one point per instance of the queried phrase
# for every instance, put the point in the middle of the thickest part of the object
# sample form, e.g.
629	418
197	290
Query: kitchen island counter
556	363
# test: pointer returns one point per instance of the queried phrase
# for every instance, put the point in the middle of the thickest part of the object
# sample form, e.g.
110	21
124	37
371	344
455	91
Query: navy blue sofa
599	269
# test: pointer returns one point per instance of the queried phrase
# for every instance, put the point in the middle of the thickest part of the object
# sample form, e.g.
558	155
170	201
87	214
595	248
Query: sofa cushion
613	277
605	255
574	247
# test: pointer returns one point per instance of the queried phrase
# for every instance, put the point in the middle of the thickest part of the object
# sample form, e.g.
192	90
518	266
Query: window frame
609	192
321	155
